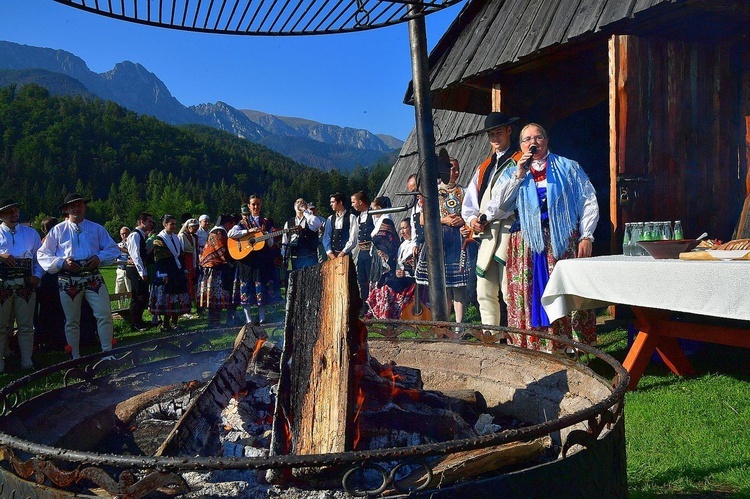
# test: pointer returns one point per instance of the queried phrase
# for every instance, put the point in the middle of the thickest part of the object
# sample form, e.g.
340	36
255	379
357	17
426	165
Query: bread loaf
737	244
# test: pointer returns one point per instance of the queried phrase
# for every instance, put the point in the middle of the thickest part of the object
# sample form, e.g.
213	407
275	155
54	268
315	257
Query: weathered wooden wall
676	122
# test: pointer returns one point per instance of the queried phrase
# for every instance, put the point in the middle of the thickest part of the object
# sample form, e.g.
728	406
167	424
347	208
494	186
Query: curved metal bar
333	16
370	492
598	416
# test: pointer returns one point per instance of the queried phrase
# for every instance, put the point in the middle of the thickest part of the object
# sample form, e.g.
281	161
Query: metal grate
264	17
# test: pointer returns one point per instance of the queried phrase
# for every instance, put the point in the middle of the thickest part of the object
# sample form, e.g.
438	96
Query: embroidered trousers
18	303
72	292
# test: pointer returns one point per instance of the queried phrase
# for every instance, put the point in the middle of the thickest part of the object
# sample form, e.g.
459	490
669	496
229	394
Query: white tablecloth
714	288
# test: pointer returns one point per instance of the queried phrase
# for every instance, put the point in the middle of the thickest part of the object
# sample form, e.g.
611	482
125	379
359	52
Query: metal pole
428	171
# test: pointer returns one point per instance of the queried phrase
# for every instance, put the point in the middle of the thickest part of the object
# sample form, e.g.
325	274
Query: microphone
532	150
483	219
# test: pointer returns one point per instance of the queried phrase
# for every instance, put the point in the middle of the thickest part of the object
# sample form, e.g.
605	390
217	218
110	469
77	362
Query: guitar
416	310
240	248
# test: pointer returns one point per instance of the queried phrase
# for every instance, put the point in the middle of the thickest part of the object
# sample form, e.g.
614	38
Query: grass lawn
686	437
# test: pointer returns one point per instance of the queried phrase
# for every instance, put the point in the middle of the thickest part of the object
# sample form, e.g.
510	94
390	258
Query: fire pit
54	423
562	399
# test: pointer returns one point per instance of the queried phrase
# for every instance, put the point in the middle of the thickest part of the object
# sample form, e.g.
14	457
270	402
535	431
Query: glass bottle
626	240
636	230
656	231
667	231
646	233
678	230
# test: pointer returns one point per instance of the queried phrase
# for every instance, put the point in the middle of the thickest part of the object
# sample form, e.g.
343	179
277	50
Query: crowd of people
524	209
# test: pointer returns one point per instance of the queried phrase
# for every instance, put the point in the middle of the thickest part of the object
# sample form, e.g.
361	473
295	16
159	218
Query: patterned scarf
565	188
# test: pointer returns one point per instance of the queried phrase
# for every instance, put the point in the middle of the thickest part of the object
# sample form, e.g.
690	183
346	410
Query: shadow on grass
706	358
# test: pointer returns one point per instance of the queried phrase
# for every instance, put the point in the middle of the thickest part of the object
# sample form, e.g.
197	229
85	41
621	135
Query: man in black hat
20	274
491	227
74	249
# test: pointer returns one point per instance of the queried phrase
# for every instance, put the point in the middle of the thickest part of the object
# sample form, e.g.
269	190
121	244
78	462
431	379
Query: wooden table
654	289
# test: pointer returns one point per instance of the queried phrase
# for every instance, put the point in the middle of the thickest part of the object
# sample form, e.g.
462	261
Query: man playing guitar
255	282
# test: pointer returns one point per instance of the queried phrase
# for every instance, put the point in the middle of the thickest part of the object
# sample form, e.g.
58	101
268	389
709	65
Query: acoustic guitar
240	248
416	310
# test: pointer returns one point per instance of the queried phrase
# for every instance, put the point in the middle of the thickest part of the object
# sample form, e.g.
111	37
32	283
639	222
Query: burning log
196	432
321	338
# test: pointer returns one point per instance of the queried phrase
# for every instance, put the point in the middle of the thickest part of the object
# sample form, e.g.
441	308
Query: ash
246	421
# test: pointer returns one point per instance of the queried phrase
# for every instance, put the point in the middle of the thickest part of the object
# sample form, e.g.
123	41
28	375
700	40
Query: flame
397	391
360	354
357	436
258	346
287	436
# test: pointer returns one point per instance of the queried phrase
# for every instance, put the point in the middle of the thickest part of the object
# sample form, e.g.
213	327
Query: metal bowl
668	248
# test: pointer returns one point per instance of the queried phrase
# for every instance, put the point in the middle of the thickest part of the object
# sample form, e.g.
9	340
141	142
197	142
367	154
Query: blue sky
356	80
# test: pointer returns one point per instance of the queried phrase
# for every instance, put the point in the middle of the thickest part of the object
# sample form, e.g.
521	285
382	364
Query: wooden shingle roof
457	133
490	35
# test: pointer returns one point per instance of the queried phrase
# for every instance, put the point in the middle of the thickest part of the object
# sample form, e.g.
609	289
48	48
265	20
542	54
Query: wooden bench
120	304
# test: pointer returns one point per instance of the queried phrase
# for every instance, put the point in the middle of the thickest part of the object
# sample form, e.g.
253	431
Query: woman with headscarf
396	285
169	293
216	287
189	239
386	241
556	216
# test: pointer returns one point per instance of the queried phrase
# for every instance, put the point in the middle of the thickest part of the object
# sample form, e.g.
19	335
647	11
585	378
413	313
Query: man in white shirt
205	227
493	228
342	228
74	250
136	268
122	283
301	246
20	274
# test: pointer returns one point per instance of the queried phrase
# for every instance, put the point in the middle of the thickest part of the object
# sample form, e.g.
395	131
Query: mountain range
134	87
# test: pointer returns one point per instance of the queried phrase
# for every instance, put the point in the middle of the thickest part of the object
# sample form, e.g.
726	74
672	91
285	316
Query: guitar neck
271	235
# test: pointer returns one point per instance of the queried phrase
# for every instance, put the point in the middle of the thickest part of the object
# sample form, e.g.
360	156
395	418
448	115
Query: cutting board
703	255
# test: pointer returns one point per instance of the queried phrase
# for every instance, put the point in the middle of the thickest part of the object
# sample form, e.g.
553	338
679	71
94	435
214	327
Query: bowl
668	248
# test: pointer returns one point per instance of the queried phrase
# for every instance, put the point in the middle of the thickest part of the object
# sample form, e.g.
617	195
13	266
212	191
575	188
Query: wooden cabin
651	97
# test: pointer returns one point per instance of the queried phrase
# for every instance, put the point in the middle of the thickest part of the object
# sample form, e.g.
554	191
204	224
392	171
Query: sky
353	80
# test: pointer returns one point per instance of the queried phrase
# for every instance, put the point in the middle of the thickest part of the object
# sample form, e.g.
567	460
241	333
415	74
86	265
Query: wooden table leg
653	335
639	356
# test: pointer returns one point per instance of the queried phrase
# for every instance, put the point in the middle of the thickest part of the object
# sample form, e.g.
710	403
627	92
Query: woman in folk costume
451	196
189	239
386	241
218	272
396	288
169	291
557	213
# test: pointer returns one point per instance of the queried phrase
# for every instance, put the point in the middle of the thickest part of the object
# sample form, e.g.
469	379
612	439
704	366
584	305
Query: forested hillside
51	145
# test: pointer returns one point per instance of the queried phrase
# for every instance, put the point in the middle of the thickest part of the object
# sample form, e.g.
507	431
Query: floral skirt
385	303
256	285
456	274
161	302
579	325
215	292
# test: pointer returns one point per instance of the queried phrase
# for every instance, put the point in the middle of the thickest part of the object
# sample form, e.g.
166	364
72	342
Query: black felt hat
72	198
7	204
496	119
